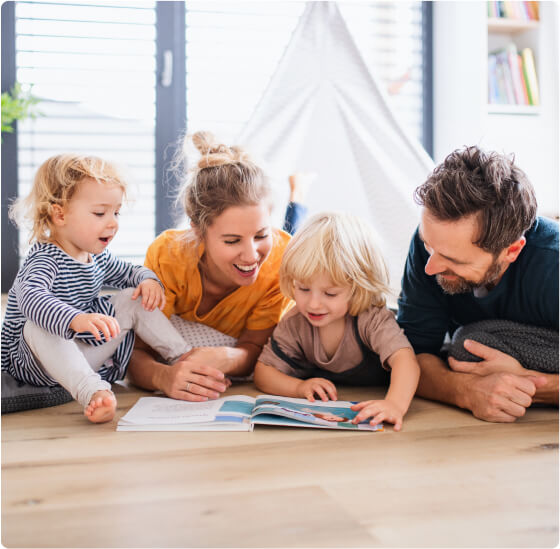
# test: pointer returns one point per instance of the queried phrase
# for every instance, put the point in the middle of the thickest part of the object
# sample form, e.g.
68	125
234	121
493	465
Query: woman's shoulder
280	240
172	243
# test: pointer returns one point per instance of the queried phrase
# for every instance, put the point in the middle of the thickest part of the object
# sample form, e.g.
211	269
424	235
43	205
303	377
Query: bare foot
299	185
101	407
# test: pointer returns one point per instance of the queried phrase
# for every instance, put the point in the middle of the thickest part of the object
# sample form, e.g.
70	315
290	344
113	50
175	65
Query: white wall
460	95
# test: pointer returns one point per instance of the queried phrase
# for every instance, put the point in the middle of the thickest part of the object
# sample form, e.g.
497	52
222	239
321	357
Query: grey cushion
18	396
534	347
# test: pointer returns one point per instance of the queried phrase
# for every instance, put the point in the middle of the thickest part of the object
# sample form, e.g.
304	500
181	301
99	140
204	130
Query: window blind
93	67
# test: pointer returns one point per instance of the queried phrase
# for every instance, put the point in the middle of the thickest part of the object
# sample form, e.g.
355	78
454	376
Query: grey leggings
74	364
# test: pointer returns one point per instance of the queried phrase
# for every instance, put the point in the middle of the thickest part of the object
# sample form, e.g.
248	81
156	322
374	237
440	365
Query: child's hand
319	386
152	294
95	323
379	410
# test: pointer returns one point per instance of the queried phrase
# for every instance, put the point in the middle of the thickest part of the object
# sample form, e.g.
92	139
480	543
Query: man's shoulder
543	235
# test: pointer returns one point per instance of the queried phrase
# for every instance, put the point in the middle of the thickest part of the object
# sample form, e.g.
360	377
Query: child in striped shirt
57	328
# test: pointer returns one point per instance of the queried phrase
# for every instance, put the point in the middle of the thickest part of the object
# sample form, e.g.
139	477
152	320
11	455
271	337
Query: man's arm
499	397
494	361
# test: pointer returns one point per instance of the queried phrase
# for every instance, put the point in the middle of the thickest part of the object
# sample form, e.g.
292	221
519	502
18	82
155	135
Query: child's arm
274	382
36	300
405	373
122	274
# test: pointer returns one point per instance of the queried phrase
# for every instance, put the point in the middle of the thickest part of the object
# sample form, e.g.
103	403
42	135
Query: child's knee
125	306
32	333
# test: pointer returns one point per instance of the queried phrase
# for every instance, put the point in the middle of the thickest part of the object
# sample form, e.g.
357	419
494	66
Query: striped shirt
50	289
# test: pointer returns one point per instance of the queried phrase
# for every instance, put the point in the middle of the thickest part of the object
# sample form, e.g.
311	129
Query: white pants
74	364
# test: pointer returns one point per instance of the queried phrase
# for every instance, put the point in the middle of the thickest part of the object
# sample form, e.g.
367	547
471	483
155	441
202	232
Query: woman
222	272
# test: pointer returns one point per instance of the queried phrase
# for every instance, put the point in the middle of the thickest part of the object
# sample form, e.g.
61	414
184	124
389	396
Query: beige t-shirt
299	340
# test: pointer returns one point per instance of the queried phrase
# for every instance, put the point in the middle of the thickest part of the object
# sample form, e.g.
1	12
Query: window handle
167	69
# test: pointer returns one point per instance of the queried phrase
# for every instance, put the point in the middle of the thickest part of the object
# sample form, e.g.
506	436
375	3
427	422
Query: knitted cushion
18	396
534	347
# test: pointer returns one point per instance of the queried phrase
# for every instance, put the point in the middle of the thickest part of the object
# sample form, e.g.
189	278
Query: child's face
237	243
90	220
321	301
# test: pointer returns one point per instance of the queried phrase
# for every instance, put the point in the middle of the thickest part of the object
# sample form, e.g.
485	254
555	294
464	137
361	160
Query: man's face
458	265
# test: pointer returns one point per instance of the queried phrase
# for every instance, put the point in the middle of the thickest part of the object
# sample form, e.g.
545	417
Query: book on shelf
511	9
512	78
530	75
239	413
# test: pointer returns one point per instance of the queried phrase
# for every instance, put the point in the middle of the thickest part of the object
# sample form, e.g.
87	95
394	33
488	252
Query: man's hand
152	294
493	361
500	397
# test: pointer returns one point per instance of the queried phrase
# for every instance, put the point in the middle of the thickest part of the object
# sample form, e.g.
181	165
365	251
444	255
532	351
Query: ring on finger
187	387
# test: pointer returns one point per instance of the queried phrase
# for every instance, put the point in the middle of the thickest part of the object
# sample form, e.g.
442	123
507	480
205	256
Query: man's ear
513	251
57	215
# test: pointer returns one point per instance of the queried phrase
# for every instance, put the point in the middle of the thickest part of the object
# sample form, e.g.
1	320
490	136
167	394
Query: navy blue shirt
527	292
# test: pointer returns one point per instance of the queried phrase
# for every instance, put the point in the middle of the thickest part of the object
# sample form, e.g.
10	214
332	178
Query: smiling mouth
247	270
316	316
105	239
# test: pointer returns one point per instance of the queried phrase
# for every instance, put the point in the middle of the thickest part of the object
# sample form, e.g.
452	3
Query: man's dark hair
471	181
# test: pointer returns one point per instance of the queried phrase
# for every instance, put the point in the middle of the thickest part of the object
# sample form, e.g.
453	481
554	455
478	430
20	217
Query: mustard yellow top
256	307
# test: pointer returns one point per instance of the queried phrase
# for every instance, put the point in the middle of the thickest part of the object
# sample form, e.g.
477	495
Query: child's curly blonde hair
55	183
343	247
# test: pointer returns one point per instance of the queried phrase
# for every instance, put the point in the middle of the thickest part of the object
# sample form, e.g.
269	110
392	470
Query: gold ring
187	387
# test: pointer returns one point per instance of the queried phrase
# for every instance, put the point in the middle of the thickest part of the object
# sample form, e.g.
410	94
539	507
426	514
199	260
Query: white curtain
324	112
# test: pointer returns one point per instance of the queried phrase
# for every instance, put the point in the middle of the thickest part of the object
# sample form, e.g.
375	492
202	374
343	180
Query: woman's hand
379	410
188	379
319	386
152	294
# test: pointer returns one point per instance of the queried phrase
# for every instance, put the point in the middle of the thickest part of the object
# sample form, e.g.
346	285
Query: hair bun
213	154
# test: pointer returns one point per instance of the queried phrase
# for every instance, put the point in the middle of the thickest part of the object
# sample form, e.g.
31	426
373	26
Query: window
93	67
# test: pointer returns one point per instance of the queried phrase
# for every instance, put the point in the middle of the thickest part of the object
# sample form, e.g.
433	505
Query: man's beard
461	285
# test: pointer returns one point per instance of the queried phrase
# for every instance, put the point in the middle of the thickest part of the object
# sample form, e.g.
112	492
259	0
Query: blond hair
343	247
223	176
55	183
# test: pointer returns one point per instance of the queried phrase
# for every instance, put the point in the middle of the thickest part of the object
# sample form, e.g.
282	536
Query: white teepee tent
324	112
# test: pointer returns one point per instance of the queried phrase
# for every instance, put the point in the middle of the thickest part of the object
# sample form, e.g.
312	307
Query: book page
161	410
330	414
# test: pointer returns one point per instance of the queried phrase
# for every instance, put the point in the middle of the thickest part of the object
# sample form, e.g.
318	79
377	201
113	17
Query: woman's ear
57	215
197	232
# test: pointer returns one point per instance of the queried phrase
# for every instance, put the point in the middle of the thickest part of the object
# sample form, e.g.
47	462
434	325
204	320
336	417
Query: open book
239	413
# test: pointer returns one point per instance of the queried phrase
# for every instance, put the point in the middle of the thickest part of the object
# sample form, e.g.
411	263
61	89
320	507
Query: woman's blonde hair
223	177
343	247
55	183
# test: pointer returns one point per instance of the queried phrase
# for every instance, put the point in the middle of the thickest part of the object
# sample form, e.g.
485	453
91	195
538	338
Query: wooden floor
446	480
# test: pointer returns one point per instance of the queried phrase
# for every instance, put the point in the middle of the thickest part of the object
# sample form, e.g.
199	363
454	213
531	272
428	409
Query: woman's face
236	244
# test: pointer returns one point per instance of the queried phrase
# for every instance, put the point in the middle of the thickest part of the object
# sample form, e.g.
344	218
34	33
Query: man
480	253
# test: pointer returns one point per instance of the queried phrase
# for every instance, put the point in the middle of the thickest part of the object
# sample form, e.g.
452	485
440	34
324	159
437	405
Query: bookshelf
463	36
513	53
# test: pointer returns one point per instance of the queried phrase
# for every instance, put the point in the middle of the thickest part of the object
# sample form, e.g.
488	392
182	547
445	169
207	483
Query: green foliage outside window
17	105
